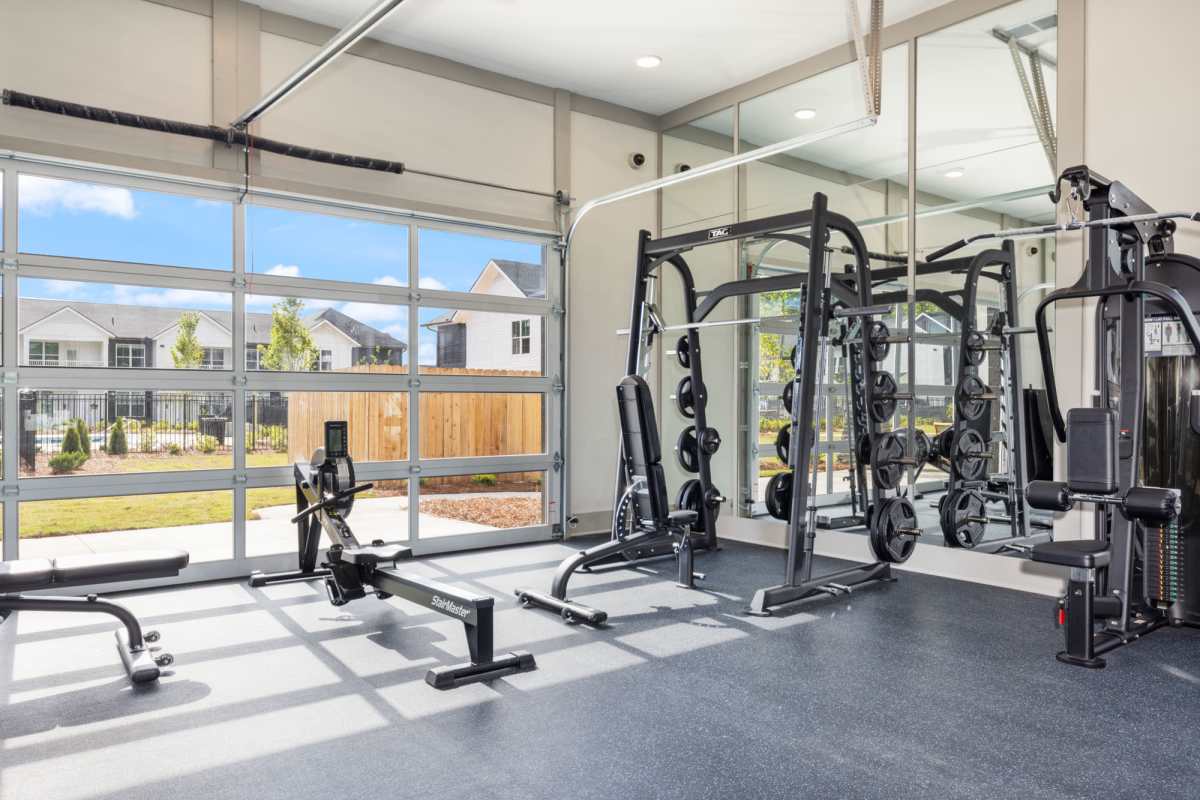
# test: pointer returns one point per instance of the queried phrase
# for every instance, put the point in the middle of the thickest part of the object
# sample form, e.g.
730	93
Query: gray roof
529	278
144	322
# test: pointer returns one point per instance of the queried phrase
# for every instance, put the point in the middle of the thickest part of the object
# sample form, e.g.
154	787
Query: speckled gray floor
926	688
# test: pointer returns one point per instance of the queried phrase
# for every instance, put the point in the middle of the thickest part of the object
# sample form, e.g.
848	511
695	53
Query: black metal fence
152	422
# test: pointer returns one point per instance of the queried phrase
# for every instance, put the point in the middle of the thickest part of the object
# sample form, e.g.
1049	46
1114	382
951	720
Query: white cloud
432	283
286	270
427	352
167	298
374	312
388	280
46	195
397	331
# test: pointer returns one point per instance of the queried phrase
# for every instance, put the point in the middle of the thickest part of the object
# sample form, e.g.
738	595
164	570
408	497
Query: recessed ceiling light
955	172
648	62
804	113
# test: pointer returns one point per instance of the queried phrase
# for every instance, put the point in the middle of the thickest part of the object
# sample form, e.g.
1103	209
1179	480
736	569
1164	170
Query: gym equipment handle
332	500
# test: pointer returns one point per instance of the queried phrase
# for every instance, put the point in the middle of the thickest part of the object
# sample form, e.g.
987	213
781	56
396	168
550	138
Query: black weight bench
33	574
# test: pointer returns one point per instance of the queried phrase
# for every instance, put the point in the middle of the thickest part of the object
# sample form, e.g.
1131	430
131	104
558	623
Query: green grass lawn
98	514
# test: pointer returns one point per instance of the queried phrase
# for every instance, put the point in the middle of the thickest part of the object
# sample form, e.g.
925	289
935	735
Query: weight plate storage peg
970	455
783	443
972	397
877	340
963	518
691	498
894	530
778	495
683	352
687	450
686	398
883	406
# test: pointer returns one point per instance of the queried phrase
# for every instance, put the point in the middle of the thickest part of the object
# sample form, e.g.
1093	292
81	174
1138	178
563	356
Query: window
113	223
127	355
252	357
452	345
284	427
129	404
495	500
69	323
269	510
462	262
520	337
301	244
299	334
43	354
450	424
214	358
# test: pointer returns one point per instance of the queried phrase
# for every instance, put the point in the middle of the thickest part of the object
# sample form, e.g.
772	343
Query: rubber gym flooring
925	688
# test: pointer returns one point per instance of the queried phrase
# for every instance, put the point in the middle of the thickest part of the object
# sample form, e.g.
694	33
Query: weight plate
888	448
783	441
864	450
778	495
792	358
961	512
970	455
968	398
691	498
943	445
877	343
786	397
685	398
974	352
923	448
884	391
710	440
683	352
893	530
687	450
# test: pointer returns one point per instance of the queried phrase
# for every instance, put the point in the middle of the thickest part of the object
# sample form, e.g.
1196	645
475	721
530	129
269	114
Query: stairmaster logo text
450	607
718	233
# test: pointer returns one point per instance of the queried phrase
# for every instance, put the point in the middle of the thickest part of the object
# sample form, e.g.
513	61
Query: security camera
682	167
637	160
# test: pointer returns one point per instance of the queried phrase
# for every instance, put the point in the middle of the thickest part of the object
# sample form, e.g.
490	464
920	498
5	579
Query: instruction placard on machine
1165	336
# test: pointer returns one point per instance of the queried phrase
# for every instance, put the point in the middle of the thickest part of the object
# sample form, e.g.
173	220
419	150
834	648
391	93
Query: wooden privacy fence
453	424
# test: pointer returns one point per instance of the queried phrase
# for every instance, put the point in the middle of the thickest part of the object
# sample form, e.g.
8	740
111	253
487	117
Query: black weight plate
792	357
884	391
683	352
888	448
786	397
974	353
890	540
685	398
877	344
783	441
710	440
968	449
864	450
923	448
687	450
778	495
967	397
958	527
691	498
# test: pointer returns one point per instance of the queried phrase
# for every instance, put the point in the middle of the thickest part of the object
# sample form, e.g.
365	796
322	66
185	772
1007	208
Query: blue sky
70	218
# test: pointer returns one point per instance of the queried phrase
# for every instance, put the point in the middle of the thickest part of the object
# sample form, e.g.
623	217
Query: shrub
85	437
117	444
484	480
174	449
208	444
66	462
70	442
146	441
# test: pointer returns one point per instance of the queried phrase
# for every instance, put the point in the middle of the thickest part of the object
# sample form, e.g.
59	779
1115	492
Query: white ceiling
589	47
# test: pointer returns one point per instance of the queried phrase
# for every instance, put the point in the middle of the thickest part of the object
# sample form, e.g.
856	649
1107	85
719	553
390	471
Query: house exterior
67	333
494	340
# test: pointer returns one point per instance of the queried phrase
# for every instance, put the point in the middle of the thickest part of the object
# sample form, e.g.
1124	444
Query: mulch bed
501	512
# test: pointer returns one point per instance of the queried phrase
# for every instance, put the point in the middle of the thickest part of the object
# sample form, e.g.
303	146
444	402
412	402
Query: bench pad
24	575
43	573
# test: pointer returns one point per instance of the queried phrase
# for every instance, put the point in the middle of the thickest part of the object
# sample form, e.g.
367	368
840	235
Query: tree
85	437
292	348
117	445
187	352
70	442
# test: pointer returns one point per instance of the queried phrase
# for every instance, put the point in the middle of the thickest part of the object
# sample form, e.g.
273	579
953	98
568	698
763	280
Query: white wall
208	333
327	337
602	266
130	55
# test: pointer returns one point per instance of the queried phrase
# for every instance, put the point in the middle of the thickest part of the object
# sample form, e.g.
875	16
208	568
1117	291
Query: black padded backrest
1039	435
641	449
1092	450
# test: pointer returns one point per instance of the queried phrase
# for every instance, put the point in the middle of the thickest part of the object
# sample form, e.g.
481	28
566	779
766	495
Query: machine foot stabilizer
463	674
569	611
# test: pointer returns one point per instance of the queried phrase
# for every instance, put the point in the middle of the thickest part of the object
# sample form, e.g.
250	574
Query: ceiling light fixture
648	62
956	172
804	113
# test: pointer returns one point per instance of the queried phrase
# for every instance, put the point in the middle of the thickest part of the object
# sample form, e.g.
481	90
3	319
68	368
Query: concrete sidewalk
273	532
